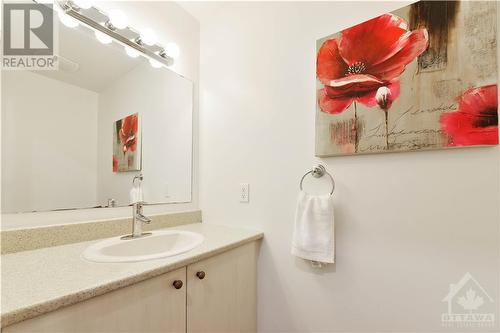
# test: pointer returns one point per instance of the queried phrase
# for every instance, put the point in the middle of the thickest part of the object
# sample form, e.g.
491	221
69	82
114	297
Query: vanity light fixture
117	20
162	53
83	4
172	50
115	27
148	37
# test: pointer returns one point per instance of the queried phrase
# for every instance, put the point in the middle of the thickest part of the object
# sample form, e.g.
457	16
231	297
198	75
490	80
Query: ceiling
201	10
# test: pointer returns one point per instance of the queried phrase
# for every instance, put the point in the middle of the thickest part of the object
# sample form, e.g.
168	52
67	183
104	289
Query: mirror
77	136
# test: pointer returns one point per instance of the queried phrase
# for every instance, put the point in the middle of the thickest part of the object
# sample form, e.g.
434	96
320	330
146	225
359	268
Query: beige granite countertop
27	239
43	280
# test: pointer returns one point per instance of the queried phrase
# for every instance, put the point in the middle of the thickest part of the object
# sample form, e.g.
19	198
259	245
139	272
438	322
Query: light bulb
118	19
57	8
83	4
133	53
103	38
155	63
148	37
172	50
67	20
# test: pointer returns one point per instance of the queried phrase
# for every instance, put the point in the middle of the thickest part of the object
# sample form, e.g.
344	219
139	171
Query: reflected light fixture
155	63
103	38
132	53
67	20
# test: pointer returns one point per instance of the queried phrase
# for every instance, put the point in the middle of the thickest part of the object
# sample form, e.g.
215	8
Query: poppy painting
127	144
421	77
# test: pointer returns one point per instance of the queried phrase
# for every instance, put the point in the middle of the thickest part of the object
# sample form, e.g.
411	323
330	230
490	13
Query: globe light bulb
172	50
83	4
148	37
155	63
103	38
118	19
67	20
132	53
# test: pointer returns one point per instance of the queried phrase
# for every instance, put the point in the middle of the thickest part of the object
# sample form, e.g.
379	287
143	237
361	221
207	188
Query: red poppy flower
115	164
128	133
475	122
365	58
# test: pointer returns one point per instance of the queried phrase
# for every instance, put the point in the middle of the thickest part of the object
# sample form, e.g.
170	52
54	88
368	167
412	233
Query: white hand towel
136	195
313	236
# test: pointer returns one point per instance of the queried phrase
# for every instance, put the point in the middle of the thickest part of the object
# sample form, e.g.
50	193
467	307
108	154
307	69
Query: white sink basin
160	244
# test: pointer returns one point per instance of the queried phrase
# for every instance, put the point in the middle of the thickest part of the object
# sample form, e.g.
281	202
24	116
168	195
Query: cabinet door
154	305
225	298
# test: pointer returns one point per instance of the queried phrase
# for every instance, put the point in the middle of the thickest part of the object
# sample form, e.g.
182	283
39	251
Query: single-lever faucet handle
137	219
143	218
140	216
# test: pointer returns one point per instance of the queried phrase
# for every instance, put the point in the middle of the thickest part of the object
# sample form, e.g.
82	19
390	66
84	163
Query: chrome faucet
137	219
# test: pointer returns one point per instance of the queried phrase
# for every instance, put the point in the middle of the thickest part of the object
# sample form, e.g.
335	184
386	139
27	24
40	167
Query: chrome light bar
99	21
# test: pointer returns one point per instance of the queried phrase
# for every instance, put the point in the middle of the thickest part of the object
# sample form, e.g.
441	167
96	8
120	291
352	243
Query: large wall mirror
77	136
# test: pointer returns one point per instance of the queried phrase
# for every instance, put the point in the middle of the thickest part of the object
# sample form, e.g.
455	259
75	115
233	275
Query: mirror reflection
76	137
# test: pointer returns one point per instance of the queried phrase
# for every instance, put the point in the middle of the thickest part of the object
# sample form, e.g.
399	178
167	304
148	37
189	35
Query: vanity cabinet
222	292
153	305
217	294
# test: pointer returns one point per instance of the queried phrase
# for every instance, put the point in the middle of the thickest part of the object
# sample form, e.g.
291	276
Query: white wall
171	23
407	224
39	170
164	101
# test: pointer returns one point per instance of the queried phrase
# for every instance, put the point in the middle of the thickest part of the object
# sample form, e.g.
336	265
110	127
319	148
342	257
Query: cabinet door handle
177	284
200	275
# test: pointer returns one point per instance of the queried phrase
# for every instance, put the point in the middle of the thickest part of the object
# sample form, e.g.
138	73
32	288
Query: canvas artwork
421	77
127	144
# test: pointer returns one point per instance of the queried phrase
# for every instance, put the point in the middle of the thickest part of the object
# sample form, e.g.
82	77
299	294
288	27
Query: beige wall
407	224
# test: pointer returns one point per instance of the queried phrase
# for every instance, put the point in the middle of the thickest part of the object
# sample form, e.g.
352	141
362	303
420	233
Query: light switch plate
244	192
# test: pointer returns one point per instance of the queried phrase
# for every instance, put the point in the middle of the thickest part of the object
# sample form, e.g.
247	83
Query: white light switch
244	192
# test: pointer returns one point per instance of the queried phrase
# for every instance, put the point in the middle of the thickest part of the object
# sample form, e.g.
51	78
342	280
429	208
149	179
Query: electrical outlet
244	192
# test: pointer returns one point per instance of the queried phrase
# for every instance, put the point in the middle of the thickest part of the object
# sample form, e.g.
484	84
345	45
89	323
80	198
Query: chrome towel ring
139	178
318	172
